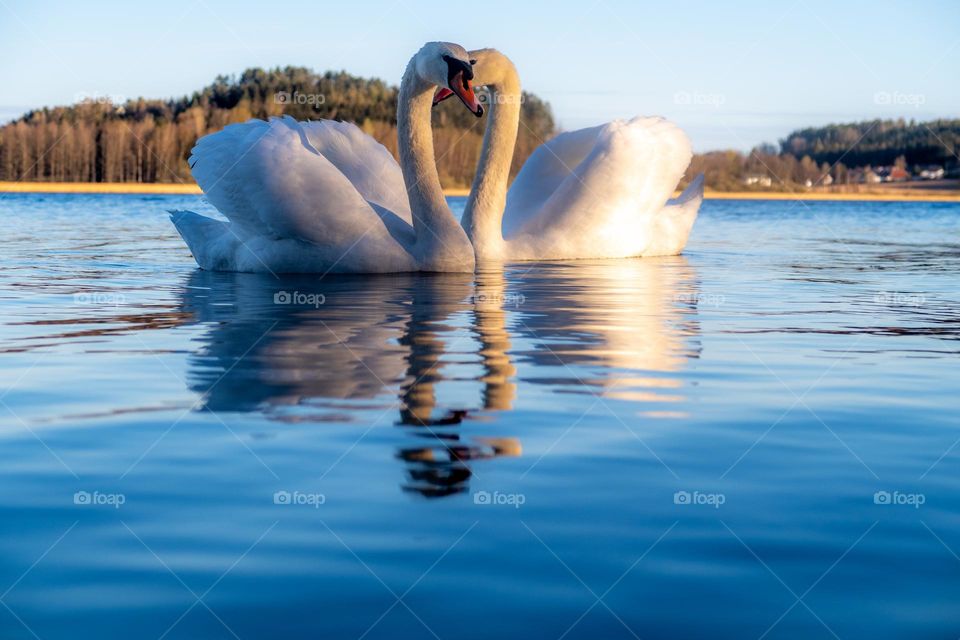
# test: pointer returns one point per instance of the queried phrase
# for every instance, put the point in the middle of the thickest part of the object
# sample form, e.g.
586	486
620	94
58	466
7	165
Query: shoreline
193	189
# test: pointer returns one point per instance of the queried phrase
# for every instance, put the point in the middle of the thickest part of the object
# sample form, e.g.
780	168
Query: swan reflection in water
617	328
299	350
435	348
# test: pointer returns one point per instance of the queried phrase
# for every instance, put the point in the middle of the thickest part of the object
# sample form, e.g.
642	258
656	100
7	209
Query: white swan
600	192
323	196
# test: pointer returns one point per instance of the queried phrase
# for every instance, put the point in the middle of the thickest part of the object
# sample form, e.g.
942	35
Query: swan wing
544	171
281	193
366	163
606	205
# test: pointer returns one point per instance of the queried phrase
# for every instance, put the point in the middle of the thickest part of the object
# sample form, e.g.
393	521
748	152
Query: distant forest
150	140
837	154
878	143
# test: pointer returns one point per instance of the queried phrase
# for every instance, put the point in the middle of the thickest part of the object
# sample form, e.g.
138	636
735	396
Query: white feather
600	192
597	193
326	197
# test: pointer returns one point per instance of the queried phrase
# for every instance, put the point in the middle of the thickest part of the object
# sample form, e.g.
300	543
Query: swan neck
427	203
483	216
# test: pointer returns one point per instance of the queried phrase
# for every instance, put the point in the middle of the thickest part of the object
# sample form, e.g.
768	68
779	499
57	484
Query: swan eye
455	65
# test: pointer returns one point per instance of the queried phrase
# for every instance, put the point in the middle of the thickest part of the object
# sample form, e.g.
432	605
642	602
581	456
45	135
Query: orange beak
462	88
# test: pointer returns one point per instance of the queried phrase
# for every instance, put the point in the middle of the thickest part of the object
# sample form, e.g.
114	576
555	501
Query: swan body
294	208
306	197
601	192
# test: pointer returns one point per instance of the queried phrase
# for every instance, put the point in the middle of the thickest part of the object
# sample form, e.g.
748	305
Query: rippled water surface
756	439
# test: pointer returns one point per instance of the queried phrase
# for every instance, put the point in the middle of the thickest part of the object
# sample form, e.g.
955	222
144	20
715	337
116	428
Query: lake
759	438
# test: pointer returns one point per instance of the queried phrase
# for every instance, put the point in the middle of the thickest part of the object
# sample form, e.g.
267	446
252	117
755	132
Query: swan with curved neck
325	197
438	242
595	193
483	216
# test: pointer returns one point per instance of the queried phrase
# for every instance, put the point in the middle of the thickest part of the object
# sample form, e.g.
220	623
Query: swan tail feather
693	192
675	221
210	241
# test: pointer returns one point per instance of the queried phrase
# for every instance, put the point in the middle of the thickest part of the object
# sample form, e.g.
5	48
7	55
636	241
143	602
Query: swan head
491	69
448	66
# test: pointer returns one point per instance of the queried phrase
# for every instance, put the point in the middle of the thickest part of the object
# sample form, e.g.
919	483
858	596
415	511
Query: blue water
757	439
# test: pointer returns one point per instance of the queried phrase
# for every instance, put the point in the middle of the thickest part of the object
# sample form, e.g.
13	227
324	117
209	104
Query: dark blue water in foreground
757	439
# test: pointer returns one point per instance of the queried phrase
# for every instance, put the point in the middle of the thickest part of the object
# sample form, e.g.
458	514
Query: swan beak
442	94
461	86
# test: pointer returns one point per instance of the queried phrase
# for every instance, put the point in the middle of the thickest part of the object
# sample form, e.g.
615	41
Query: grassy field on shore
875	195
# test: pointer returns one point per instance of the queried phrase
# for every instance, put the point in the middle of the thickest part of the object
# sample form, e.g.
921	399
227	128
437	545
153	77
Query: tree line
837	154
150	140
878	142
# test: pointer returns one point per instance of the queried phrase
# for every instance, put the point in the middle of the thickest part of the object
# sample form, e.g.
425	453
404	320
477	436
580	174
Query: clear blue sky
732	76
